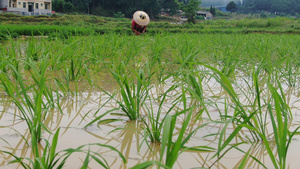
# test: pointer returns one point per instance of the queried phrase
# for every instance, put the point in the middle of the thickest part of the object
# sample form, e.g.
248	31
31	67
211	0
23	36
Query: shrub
119	15
2	36
14	35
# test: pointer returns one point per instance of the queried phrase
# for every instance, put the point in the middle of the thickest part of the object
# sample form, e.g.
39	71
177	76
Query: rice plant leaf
17	160
148	164
143	165
107	121
199	148
99	117
54	144
266	143
165	135
86	161
244	161
225	82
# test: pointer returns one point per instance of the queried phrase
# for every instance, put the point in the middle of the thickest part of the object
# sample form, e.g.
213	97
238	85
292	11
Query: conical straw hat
141	18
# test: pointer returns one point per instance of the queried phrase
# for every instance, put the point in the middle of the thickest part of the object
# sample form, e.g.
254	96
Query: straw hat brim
139	20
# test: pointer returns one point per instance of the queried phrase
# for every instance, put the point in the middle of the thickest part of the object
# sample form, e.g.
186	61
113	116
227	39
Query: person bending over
139	22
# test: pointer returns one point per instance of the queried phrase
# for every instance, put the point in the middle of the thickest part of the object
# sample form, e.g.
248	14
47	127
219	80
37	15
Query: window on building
41	4
46	6
19	3
24	4
36	6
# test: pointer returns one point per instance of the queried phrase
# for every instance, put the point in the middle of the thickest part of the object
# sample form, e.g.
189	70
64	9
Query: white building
26	7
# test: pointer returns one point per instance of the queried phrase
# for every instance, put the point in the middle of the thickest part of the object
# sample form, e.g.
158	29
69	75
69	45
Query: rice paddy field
168	100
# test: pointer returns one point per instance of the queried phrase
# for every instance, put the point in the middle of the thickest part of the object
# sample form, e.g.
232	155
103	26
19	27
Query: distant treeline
274	6
113	8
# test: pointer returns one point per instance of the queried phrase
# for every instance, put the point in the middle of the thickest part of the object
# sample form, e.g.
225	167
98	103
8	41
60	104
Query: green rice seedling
32	49
7	84
187	53
153	120
49	158
280	124
241	115
289	73
134	91
170	150
229	62
255	100
12	54
3	60
158	46
279	115
257	122
31	105
78	64
252	157
195	89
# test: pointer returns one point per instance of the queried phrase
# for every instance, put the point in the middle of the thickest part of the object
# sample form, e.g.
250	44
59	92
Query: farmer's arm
133	28
144	29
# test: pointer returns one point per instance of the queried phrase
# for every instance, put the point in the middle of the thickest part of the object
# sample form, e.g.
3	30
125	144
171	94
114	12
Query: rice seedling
170	150
280	121
155	117
157	61
133	95
194	87
157	49
49	158
33	108
289	73
240	114
187	53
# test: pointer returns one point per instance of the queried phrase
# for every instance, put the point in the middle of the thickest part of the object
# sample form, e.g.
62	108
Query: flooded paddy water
127	136
211	122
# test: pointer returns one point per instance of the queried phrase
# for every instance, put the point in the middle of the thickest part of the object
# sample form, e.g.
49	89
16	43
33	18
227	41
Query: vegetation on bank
16	25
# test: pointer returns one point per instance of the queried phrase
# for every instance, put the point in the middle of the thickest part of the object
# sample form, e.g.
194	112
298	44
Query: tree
263	5
212	10
58	5
171	5
68	7
231	6
190	9
280	6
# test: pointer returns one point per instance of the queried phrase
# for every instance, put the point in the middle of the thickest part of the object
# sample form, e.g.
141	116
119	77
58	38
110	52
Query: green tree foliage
170	5
280	6
112	7
274	6
190	8
57	5
231	6
212	10
62	6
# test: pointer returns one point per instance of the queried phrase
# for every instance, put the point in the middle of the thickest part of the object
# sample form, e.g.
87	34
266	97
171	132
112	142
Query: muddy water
78	111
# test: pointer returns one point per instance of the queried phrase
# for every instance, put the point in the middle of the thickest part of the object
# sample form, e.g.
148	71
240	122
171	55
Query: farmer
139	22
